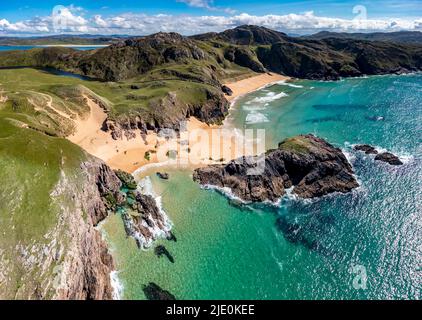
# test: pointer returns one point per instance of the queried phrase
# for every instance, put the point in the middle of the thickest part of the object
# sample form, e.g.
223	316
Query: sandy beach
254	83
198	145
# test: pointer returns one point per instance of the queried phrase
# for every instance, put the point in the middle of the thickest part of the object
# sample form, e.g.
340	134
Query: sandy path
49	105
251	84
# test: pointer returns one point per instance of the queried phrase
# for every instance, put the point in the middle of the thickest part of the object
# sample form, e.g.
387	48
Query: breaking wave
256	117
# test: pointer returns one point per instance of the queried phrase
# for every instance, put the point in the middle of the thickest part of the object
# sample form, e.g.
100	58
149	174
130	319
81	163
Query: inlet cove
314	249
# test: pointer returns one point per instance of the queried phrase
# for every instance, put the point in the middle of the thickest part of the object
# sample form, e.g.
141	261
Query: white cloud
206	4
141	24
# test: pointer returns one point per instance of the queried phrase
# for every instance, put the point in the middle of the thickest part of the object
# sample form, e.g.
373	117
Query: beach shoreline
153	151
243	87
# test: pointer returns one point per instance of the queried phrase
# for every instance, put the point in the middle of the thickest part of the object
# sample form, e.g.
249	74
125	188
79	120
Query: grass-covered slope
48	246
52	193
156	81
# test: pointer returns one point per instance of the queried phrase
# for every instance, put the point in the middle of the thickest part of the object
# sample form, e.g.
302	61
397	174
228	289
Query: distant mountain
245	35
87	39
256	48
401	36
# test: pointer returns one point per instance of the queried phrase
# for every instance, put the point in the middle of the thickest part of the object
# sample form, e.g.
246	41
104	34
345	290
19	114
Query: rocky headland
309	165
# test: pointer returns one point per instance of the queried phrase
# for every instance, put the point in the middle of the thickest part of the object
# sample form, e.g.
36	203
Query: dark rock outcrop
389	158
309	164
366	148
163	175
244	57
227	90
162	251
90	263
108	185
169	112
127	179
144	221
153	292
246	35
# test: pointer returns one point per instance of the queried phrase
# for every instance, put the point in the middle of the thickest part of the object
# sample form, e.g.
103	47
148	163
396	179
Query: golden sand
198	145
252	84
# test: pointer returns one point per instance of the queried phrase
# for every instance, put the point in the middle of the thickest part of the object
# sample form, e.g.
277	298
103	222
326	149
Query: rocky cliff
309	164
87	264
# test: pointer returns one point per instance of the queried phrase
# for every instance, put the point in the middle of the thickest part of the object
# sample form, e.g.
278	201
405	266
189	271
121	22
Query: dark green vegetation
52	193
401	36
160	80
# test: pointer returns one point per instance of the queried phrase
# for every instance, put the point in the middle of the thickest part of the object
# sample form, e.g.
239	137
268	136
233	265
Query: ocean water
363	245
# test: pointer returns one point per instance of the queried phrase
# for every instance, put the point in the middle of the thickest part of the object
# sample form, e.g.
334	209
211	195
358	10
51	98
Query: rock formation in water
163	175
162	251
387	157
366	148
153	292
309	164
144	220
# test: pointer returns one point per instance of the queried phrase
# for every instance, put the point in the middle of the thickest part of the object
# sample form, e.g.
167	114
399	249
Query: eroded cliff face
57	252
310	165
87	264
168	113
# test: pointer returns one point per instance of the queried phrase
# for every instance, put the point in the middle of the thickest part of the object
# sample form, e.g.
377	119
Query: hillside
61	40
410	37
327	59
211	57
53	193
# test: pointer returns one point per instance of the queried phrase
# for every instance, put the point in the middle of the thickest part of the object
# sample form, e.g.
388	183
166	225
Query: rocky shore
386	157
309	165
85	273
88	263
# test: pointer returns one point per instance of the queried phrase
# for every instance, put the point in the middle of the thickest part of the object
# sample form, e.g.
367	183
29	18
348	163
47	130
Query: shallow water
314	249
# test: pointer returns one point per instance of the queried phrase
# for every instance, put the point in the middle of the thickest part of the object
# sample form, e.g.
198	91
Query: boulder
389	158
310	165
153	292
366	148
227	90
164	176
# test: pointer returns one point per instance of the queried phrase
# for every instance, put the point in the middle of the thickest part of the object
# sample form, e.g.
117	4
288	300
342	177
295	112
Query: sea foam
289	84
269	97
117	285
256	117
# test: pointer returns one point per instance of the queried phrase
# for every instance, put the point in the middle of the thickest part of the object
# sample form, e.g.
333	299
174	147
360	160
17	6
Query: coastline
72	45
152	150
251	84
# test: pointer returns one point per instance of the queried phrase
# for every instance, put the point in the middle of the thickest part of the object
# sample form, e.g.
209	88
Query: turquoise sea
363	245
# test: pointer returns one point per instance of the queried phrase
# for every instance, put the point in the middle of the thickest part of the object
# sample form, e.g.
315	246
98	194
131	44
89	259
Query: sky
141	17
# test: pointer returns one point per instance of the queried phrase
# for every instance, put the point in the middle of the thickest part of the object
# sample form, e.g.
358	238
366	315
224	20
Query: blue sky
118	16
19	9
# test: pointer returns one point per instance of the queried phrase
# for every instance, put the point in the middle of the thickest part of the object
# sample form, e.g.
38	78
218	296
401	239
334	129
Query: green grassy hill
52	192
